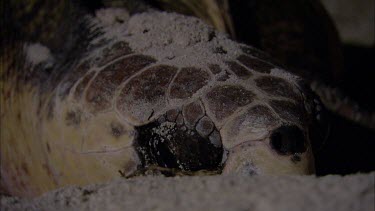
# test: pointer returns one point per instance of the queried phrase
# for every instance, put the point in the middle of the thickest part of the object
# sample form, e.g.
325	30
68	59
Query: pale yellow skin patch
266	161
23	157
41	153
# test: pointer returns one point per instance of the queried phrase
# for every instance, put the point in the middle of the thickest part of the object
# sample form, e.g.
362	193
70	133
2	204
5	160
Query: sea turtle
111	93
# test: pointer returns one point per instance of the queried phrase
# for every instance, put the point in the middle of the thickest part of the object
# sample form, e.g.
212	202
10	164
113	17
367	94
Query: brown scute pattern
188	81
260	116
146	93
276	87
289	111
180	120
205	126
192	112
251	120
82	85
224	100
238	70
101	90
115	51
98	100
73	77
255	64
172	115
215	138
225	76
152	83
214	68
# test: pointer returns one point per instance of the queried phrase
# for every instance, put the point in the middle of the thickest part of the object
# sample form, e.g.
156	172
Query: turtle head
257	140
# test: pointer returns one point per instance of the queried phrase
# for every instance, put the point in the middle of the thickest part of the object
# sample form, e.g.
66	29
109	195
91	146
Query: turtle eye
287	140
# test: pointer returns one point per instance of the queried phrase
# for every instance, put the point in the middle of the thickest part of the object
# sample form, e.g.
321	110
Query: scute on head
226	99
253	124
188	81
101	91
192	112
278	87
239	70
145	94
255	64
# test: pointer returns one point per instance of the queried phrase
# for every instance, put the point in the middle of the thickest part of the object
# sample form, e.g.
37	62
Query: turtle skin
120	97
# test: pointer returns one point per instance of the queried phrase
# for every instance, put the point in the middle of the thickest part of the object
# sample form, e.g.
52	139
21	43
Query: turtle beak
279	153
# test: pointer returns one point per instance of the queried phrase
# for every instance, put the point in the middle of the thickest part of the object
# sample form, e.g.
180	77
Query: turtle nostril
287	140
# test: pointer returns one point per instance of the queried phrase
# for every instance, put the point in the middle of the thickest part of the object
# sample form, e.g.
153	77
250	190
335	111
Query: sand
221	192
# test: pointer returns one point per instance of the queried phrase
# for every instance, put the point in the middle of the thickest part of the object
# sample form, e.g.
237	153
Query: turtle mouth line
172	172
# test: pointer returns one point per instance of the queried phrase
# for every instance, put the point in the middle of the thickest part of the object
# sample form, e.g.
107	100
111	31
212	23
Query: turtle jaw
260	157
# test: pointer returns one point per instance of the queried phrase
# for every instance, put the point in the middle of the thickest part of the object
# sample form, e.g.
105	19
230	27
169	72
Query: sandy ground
229	192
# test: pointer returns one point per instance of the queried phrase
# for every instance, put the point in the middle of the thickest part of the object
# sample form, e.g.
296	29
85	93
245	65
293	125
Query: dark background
350	148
